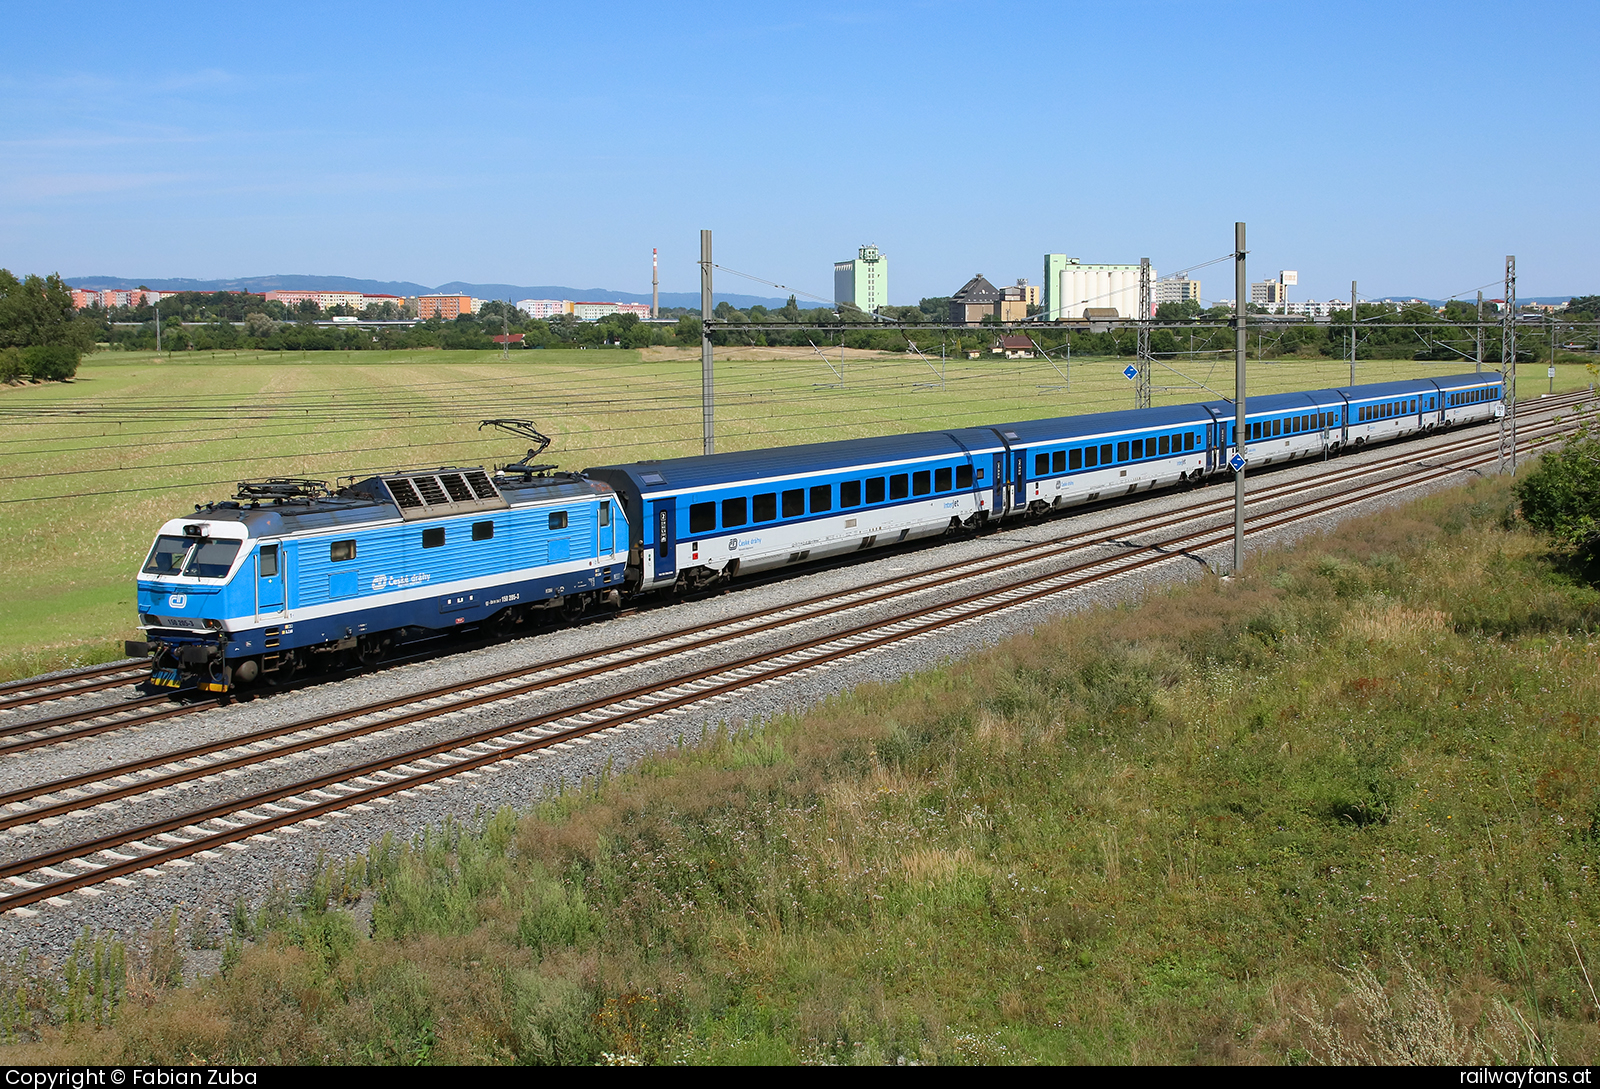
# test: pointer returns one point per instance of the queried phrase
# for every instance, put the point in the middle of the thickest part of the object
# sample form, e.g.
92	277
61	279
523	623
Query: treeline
42	337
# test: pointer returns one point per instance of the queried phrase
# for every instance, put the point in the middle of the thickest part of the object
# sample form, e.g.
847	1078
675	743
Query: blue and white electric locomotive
290	575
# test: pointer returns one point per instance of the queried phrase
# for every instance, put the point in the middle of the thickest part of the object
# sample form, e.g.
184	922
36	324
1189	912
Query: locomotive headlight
214	625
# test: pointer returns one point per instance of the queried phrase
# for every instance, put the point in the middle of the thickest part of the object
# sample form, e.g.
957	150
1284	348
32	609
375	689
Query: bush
11	366
51	362
1562	495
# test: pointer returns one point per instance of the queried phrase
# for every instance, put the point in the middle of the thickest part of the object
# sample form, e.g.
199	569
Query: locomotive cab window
339	551
211	559
764	507
605	518
166	558
850	493
433	538
558	519
268	561
484	531
702	517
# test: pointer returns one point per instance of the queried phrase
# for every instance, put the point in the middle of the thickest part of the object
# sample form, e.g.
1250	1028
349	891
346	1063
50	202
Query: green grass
1342	809
93	467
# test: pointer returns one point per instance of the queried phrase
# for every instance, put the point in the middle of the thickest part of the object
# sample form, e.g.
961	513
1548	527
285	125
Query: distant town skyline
1407	147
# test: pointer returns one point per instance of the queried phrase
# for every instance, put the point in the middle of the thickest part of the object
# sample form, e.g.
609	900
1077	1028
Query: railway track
33	691
225	824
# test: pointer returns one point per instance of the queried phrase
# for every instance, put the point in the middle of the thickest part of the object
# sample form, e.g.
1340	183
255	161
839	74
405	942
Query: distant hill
405	287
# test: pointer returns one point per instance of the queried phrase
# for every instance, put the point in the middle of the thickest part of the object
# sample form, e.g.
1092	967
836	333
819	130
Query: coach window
1188	440
899	486
1091	456
794	503
1162	447
702	518
733	512
558	519
1138	449
269	561
433	538
764	507
1058	461
1122	451
484	531
850	493
921	483
1413	404
1105	454
875	490
821	498
963	476
339	551
941	480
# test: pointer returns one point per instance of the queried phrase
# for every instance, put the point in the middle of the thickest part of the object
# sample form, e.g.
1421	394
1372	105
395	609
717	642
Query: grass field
1344	809
94	466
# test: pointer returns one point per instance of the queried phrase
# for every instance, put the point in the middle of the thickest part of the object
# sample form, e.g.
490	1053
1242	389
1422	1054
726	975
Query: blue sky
1407	146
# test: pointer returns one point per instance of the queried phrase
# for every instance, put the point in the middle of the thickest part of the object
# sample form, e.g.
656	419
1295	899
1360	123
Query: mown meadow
93	467
1342	809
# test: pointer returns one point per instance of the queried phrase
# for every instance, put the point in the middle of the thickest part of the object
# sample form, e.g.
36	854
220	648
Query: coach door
666	530
1019	478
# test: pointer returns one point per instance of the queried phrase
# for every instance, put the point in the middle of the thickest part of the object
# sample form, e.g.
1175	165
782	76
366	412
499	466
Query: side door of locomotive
269	579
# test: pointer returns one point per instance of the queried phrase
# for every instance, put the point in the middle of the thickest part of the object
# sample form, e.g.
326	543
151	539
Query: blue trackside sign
1236	463
1130	372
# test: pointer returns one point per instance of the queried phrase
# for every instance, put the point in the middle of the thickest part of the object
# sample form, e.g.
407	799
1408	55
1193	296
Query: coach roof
708	471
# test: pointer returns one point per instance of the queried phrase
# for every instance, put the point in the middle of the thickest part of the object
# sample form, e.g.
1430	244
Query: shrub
51	362
1562	495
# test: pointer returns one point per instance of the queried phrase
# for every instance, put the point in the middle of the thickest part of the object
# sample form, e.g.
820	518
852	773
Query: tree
36	316
1178	311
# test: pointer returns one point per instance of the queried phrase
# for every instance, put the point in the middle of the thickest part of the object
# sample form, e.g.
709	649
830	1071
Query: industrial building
864	282
975	300
1071	287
